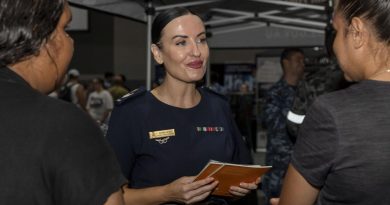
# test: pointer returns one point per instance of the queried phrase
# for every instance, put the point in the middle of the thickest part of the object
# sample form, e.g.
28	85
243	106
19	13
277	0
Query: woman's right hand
188	191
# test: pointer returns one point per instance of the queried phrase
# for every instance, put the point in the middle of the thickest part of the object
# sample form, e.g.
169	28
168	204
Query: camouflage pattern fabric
317	81
279	99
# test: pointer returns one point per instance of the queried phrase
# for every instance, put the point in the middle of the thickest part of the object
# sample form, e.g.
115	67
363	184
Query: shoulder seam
131	95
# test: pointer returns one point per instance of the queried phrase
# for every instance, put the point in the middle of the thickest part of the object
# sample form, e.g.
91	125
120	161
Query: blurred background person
316	82
278	101
100	102
72	90
118	88
107	81
215	84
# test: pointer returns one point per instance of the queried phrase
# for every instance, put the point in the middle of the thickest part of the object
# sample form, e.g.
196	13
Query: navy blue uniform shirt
157	143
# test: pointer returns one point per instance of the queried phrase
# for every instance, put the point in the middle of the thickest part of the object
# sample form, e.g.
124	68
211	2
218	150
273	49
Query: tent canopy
236	23
229	18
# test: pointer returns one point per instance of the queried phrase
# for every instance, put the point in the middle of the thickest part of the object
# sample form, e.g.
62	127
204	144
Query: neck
25	69
291	80
382	74
377	66
182	96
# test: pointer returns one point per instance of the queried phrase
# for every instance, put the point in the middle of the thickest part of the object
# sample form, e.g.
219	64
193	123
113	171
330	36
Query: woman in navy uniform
164	137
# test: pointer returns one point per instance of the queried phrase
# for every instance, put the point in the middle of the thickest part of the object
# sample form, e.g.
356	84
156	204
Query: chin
350	79
196	78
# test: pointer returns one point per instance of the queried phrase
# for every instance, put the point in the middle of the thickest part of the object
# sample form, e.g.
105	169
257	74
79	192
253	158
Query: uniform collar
284	83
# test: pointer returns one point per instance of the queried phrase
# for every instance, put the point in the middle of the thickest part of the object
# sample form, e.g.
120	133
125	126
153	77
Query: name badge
161	134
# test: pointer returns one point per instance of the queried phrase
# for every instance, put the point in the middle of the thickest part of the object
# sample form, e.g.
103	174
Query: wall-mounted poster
269	69
237	74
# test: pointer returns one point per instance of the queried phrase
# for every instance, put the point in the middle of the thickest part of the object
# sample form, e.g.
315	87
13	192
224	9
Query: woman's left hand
244	188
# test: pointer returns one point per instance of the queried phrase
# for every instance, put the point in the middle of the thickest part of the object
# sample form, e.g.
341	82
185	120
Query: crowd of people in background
96	95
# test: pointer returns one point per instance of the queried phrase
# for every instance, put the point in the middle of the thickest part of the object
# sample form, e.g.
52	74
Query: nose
195	49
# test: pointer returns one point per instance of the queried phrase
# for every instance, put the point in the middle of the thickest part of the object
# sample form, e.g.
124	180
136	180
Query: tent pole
150	10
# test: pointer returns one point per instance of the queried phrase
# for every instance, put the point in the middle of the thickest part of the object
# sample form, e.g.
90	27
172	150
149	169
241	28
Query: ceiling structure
228	16
235	23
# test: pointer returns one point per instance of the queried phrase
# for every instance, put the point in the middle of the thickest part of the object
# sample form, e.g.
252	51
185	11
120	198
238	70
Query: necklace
387	70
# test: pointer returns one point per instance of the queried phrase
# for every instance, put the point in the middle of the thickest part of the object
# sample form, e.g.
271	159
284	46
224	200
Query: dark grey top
51	153
343	146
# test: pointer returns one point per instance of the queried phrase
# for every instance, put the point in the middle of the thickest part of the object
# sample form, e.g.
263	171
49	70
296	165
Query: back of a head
98	81
375	11
73	74
25	26
117	80
163	18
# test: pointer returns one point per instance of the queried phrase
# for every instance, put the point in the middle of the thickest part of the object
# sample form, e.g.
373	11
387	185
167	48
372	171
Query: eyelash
181	43
203	40
199	41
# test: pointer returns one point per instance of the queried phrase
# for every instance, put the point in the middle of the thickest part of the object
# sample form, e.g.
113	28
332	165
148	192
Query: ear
286	63
359	32
156	54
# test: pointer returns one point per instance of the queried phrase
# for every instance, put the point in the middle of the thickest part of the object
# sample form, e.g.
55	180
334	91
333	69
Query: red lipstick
197	64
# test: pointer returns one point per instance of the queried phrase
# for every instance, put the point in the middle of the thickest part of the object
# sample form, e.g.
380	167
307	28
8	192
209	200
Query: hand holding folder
230	175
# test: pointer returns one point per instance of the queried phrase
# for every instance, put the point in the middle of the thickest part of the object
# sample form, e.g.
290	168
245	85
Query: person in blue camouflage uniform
326	77
278	101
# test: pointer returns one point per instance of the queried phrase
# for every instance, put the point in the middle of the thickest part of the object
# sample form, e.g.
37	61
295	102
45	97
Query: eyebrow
185	36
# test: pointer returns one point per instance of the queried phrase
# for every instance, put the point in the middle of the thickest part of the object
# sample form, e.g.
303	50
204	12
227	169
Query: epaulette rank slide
130	95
